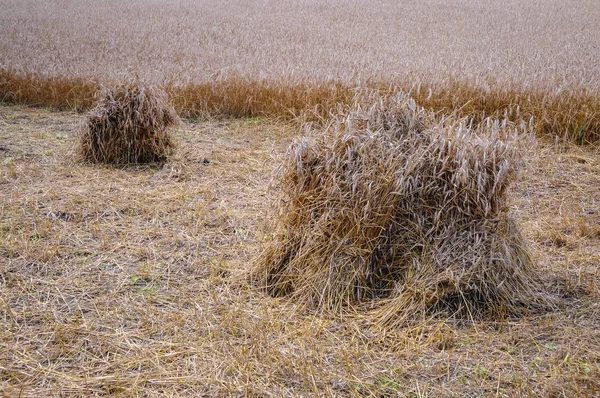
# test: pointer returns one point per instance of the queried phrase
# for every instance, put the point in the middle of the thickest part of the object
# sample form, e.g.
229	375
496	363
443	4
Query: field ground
124	281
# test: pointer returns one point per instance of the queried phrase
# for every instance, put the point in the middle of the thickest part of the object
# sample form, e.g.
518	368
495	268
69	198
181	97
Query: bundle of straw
394	208
129	125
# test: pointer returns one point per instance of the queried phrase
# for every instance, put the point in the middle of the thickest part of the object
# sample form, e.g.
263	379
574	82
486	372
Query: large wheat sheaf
396	210
129	125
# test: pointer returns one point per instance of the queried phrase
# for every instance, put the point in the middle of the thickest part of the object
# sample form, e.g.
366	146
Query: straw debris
394	209
129	125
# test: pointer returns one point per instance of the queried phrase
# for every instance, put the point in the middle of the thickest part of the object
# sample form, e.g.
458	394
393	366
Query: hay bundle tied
129	125
395	210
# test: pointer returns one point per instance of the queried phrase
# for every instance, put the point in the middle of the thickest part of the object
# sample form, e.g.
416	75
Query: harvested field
126	281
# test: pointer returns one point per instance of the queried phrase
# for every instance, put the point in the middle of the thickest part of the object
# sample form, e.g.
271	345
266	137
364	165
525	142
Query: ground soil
126	281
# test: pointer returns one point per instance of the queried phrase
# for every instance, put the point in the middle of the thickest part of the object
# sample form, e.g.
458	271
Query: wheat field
131	280
282	58
533	44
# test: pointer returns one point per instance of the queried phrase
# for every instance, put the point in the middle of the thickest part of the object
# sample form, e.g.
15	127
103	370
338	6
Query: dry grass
571	116
395	210
120	281
129	125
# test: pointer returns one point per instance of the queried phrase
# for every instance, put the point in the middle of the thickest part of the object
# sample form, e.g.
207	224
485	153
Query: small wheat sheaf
129	125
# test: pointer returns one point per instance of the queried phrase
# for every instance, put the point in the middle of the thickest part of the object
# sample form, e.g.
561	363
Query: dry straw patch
119	281
394	206
129	125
